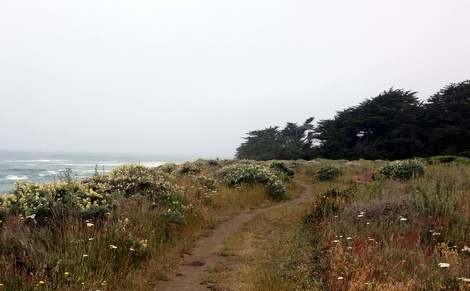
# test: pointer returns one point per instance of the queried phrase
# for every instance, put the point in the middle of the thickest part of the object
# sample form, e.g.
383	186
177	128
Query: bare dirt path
191	272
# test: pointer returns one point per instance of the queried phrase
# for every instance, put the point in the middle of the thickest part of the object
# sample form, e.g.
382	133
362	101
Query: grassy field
130	228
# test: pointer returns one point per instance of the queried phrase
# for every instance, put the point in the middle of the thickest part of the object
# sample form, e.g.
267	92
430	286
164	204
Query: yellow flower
66	273
41	282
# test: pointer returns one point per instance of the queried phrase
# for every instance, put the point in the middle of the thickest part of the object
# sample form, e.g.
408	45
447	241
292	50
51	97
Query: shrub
331	202
188	169
328	173
403	170
437	160
36	202
283	168
253	174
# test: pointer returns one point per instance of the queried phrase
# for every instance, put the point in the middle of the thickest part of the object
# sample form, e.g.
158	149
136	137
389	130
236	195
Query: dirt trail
191	272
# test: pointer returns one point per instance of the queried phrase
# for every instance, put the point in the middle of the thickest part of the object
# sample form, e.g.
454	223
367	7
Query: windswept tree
292	142
262	144
385	127
448	120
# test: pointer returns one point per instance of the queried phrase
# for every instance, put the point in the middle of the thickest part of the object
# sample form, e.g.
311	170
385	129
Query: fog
193	77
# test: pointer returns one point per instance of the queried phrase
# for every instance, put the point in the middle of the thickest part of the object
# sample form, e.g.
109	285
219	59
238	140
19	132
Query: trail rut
191	272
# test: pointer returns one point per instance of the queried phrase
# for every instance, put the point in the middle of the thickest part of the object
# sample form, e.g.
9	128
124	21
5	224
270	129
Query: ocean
44	167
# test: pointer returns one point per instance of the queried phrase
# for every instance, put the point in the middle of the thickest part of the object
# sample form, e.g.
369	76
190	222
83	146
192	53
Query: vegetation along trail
191	274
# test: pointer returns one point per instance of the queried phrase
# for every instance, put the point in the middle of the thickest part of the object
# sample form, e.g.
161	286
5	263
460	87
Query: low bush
282	168
253	174
328	173
331	202
403	170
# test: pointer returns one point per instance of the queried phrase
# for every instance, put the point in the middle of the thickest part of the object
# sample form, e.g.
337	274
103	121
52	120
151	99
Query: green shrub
282	168
37	202
328	173
437	160
188	168
331	202
253	174
403	170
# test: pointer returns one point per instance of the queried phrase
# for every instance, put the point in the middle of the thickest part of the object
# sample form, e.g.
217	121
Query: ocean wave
16	177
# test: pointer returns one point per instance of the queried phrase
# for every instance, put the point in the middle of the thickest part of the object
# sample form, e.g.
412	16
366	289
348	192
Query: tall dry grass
405	235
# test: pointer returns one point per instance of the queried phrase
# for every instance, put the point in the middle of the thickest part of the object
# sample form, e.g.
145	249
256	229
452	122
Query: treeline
394	125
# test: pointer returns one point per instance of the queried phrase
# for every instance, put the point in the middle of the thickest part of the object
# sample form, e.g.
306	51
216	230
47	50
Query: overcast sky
193	77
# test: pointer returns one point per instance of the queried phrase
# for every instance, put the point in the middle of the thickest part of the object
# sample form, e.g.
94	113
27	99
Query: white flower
403	219
360	215
113	247
85	255
466	249
132	249
463	279
88	224
32	216
349	238
336	241
340	278
444	265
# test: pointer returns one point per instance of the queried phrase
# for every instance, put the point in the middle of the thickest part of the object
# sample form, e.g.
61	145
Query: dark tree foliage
448	120
385	127
292	142
393	125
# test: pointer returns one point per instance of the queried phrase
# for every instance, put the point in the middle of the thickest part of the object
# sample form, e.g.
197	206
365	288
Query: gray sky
193	77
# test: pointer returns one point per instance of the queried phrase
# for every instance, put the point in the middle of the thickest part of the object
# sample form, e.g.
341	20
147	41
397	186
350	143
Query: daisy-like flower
466	249
89	224
444	265
113	247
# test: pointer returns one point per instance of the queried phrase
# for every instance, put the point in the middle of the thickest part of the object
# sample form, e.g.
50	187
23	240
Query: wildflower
66	273
90	239
466	249
41	282
32	216
444	265
403	219
340	278
132	249
89	224
336	241
83	283
113	247
1	285
463	279
349	238
85	255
